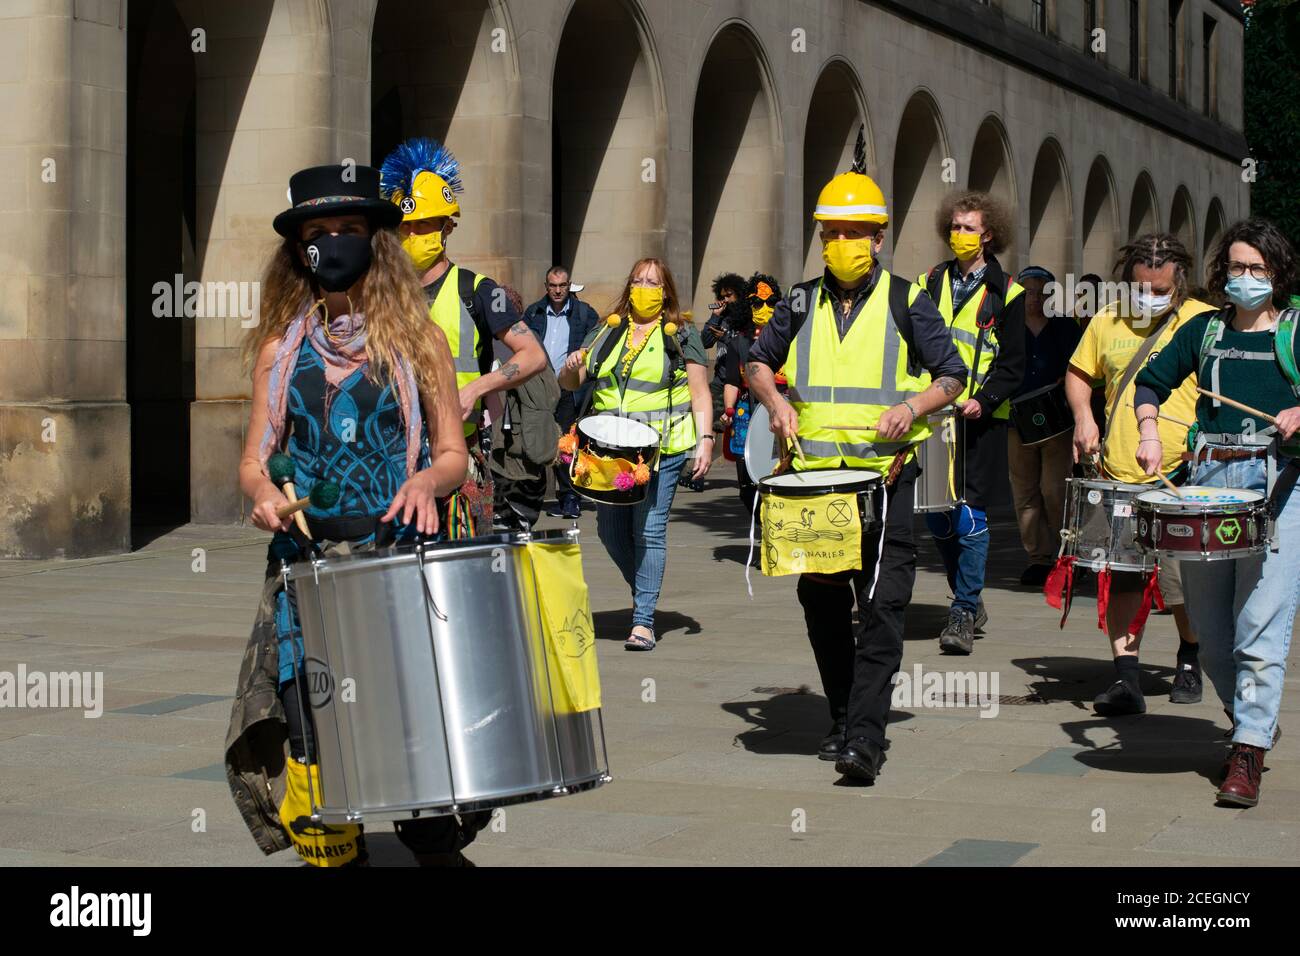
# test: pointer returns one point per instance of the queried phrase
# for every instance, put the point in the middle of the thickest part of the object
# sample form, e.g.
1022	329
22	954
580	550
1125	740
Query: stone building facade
150	142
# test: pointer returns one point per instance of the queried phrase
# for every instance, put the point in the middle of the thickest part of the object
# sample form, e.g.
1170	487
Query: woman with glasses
646	340
1241	610
762	293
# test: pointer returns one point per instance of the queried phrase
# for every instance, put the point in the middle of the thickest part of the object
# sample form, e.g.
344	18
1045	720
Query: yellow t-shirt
1107	346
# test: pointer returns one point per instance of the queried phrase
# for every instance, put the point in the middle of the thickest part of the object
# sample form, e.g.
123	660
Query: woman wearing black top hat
344	350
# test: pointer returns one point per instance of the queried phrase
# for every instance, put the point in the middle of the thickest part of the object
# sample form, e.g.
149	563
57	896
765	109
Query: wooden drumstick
798	449
1236	404
1170	418
1170	485
324	495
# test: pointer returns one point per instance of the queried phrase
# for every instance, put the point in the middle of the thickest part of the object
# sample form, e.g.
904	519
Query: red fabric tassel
1103	597
1150	594
1059	586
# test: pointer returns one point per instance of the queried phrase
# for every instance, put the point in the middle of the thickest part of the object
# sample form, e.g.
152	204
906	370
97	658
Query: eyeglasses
640	283
757	303
1257	270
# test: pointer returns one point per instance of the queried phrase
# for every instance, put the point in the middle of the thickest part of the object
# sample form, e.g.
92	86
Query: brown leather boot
1241	786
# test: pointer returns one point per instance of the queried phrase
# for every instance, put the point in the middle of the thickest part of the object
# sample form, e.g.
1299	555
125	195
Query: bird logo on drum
1228	531
838	513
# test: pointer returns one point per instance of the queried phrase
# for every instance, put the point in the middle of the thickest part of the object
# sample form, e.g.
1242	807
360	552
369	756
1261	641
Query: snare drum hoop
591	426
1201	507
772	484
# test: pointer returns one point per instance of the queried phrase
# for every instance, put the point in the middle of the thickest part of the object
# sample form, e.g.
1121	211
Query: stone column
64	423
264	111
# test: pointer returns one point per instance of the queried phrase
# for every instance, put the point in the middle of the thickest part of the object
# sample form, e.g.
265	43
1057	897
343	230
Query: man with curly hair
985	311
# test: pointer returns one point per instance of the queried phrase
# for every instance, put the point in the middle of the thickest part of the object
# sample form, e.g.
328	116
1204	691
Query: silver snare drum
429	684
939	487
1100	529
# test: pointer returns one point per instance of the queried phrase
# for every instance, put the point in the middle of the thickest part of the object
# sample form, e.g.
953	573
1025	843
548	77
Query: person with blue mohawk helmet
423	178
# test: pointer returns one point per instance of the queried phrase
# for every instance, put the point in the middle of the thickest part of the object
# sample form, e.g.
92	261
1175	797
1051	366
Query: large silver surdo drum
430	685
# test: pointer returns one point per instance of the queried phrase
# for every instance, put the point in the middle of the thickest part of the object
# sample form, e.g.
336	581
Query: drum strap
1134	364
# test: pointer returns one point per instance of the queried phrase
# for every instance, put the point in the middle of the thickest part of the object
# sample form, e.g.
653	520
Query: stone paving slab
717	766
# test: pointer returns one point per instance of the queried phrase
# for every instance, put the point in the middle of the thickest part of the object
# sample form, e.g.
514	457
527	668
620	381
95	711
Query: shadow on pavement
790	721
616	625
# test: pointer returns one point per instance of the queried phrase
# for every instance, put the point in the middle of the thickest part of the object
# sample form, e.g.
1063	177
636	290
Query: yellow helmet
854	197
422	177
430	197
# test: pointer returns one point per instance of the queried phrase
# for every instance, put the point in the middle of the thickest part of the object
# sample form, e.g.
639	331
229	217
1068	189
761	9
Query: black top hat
335	191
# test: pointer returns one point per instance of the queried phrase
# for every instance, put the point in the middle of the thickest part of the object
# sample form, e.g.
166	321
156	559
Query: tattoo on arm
509	370
519	328
948	385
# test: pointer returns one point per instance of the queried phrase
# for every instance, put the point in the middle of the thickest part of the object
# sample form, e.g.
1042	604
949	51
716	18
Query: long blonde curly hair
397	314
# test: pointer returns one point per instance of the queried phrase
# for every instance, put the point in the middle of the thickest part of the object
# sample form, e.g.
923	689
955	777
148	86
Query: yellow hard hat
431	196
422	177
854	197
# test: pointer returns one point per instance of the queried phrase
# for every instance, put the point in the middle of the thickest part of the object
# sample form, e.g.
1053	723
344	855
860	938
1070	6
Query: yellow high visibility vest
449	311
655	393
965	331
839	386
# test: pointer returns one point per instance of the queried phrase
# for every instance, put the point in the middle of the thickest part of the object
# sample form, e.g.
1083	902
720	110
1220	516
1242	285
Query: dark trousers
444	834
857	663
566	413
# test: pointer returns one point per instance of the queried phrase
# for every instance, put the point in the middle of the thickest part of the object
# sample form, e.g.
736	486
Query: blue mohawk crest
409	159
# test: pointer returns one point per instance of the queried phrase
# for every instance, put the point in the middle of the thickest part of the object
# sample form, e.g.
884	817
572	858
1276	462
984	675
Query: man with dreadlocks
1120	339
853	342
423	177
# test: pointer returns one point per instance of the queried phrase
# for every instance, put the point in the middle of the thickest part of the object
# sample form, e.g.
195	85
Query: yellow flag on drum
822	534
567	627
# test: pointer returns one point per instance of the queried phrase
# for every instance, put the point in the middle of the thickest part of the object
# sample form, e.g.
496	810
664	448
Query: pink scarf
344	351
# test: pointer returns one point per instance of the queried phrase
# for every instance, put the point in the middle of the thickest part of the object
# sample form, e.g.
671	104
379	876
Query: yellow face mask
423	248
646	303
762	315
964	245
848	259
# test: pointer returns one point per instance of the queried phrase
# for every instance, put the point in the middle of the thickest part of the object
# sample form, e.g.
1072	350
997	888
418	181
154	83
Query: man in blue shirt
562	321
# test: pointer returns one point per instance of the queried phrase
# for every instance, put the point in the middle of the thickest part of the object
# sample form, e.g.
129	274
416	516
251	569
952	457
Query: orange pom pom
580	468
641	473
568	443
612	321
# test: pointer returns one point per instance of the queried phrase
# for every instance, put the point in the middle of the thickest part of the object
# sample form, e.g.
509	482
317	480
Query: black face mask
338	262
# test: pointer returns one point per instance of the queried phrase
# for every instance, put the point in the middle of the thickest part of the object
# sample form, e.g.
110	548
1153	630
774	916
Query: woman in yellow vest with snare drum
649	365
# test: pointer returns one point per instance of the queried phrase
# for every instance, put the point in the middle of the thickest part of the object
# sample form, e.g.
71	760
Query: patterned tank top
351	435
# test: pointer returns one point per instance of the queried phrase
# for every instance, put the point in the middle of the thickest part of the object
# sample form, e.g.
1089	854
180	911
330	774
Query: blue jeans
636	537
962	537
1242	610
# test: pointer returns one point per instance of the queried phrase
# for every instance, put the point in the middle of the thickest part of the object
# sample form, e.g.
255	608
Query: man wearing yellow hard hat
854	342
985	310
422	177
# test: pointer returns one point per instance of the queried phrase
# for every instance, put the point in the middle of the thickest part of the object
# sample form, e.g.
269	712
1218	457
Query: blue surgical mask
1247	292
